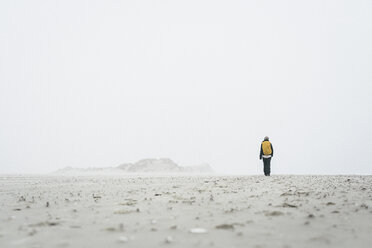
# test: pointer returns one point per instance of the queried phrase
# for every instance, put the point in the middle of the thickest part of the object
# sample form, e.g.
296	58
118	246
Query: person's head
266	138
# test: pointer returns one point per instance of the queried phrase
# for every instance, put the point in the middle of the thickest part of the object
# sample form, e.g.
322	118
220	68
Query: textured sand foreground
208	211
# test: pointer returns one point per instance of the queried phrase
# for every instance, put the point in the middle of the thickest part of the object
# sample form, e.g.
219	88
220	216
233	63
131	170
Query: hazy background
99	83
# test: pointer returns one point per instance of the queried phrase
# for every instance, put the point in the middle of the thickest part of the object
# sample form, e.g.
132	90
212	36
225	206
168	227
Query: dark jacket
272	151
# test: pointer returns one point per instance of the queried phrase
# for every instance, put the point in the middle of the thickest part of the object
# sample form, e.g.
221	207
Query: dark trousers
266	162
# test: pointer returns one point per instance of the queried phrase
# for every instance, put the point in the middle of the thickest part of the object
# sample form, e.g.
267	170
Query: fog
99	83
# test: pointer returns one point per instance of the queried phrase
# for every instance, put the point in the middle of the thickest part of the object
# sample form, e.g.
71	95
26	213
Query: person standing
266	153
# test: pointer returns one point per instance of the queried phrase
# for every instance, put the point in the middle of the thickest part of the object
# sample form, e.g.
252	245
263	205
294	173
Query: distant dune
144	166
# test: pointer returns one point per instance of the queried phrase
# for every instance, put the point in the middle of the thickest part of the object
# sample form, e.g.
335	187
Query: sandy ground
209	211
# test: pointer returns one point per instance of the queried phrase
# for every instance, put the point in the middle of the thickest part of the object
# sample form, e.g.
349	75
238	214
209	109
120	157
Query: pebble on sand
287	205
123	239
198	230
169	239
225	226
274	213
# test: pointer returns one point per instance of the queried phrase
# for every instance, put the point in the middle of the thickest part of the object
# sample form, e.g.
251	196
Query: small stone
287	205
365	206
311	216
96	197
225	226
168	239
123	239
47	204
274	213
198	230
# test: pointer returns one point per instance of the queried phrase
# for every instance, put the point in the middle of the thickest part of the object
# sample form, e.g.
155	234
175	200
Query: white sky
99	83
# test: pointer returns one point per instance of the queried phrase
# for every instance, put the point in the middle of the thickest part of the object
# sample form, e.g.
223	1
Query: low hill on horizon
144	166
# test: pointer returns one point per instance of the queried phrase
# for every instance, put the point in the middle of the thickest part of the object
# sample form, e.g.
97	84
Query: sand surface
188	211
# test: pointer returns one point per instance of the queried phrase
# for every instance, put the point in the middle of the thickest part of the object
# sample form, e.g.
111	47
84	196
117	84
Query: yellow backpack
266	148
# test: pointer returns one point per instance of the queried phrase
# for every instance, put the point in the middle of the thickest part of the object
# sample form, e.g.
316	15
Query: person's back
266	153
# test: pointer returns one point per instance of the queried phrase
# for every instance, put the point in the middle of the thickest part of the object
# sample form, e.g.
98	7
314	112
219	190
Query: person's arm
272	150
261	152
